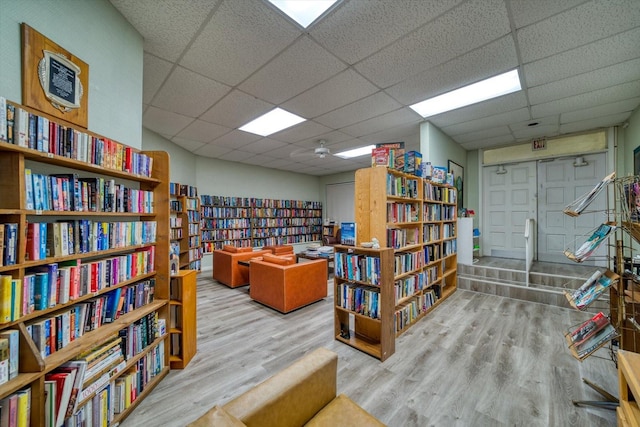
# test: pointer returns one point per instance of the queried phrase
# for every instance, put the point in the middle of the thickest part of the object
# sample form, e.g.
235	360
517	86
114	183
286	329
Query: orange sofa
226	269
282	284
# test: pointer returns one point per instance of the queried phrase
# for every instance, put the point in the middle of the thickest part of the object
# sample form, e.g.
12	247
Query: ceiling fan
320	152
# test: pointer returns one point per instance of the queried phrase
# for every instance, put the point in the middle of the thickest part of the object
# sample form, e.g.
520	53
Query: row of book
432	253
228	201
403	212
405	262
228	234
412	309
213	212
192	204
140	334
356	267
46	286
177	189
285	212
68	192
431	232
15	409
206	200
210	246
438	193
285	222
8	243
193	216
410	285
29	130
175	233
217	223
449	247
83	236
401	186
360	299
401	237
56	332
449	229
262	232
285	240
175	205
175	222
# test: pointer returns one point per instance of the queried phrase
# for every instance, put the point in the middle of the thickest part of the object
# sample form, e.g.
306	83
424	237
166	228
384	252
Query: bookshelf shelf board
148	388
363	344
85	255
88	213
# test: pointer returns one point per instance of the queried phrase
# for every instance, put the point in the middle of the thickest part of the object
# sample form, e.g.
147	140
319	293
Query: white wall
182	163
98	34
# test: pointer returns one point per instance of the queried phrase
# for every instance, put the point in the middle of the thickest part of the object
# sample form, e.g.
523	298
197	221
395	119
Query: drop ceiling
211	66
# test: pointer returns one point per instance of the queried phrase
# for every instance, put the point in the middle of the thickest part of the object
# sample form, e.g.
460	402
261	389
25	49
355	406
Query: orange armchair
280	249
282	284
226	269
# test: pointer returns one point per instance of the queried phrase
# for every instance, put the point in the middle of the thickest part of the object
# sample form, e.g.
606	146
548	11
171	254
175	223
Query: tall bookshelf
132	215
245	222
186	240
183	328
415	220
192	259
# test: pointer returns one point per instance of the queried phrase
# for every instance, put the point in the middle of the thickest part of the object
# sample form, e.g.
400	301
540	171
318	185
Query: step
545	288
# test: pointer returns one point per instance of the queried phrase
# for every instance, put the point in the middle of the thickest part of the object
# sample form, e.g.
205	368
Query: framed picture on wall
458	179
636	161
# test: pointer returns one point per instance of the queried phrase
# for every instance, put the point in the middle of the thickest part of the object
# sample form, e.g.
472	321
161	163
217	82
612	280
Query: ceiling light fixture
272	122
304	12
493	87
580	161
356	152
501	170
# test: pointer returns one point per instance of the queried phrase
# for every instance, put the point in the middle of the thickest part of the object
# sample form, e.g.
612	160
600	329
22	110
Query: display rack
120	231
183	327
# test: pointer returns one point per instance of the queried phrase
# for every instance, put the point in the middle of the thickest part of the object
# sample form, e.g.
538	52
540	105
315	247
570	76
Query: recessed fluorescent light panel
356	152
304	12
493	87
272	122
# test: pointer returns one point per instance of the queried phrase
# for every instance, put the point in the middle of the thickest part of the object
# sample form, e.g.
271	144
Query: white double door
541	190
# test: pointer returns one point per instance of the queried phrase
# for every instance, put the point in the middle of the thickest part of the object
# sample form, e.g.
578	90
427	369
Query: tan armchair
226	269
331	240
282	284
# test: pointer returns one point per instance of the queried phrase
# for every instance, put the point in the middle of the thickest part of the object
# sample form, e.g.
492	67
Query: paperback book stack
589	336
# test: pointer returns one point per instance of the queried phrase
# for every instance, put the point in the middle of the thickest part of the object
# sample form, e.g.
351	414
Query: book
10	243
5	298
50	399
3	118
9	411
348	233
11	114
24	407
13	338
4	360
576	207
380	156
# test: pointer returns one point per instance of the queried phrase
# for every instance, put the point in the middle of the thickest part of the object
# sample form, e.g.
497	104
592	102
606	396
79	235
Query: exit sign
539	144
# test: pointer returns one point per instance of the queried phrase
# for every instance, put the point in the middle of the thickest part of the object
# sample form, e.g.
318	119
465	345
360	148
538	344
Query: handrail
529	249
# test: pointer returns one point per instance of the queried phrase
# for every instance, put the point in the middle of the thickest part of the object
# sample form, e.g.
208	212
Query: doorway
541	190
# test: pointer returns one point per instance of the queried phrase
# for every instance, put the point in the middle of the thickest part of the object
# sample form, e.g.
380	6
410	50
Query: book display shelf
185	226
253	222
183	327
84	273
415	220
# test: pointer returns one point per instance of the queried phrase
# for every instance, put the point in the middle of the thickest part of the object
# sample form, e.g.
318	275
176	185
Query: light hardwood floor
476	360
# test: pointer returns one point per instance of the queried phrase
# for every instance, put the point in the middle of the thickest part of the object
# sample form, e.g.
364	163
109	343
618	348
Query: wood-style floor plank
476	360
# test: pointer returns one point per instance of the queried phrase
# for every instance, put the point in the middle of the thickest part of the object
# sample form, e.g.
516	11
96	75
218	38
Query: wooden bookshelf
186	239
183	328
415	219
118	165
245	222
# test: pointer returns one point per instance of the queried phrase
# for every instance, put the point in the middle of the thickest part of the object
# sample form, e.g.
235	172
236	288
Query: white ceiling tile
187	144
567	30
240	38
385	121
166	26
346	87
210	150
189	93
602	53
236	139
496	120
156	71
608	76
527	12
236	109
258	160
236	156
164	122
372	106
483	134
300	67
489	60
625	106
507	103
301	131
202	131
595	123
464	28
357	29
264	145
587	100
396	133
553	120
537	131
496	141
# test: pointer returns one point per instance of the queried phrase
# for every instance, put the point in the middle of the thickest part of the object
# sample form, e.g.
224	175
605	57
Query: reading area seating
303	394
226	269
282	284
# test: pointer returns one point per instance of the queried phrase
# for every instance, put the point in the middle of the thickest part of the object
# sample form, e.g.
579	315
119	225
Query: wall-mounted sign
60	80
54	81
539	144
